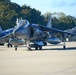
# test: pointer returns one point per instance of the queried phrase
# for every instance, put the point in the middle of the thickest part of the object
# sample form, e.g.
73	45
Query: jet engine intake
36	33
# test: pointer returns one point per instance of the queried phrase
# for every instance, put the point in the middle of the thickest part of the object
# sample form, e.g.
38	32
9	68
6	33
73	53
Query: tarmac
52	60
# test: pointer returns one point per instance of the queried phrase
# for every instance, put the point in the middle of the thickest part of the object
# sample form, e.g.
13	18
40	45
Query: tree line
10	11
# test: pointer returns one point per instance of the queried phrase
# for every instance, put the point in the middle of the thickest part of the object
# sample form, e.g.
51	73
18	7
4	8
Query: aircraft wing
6	33
63	33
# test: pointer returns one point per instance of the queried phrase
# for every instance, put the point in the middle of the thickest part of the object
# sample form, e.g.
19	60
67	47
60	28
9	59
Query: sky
66	6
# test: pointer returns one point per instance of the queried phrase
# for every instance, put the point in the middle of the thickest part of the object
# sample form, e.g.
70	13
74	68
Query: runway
52	60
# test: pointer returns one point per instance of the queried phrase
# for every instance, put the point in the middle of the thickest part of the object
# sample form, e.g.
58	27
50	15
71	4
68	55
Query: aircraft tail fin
49	24
1	30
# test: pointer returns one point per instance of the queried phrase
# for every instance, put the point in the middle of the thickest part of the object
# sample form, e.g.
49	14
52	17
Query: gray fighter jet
7	37
39	35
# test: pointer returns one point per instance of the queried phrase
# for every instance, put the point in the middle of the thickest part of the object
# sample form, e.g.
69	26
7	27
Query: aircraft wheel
11	45
36	48
40	47
8	45
64	47
15	48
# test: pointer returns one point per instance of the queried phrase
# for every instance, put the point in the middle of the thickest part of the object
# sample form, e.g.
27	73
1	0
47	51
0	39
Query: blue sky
66	6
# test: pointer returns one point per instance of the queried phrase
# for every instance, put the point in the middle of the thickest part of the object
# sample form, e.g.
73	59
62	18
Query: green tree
32	15
8	14
66	23
10	11
61	21
5	1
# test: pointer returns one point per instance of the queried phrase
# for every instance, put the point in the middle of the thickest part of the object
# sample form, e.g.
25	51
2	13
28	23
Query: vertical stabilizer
1	30
49	24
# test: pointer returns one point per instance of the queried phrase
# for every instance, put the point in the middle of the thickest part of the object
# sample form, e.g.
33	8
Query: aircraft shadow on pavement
49	48
69	48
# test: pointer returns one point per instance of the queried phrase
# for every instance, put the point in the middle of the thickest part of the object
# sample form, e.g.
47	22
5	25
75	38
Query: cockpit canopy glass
23	22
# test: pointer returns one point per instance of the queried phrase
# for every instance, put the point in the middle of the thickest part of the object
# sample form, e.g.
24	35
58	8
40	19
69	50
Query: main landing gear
15	48
28	46
36	46
9	45
64	46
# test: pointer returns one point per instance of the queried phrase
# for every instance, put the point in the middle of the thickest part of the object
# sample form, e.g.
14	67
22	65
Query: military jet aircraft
7	37
39	35
73	30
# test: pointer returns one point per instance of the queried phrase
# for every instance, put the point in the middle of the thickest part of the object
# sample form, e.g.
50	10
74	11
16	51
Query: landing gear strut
15	48
28	47
64	47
